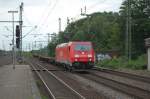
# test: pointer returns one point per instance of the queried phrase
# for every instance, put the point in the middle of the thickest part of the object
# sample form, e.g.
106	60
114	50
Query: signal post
19	37
14	55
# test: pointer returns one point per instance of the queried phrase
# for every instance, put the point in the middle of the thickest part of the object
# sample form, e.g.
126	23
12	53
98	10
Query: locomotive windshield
80	47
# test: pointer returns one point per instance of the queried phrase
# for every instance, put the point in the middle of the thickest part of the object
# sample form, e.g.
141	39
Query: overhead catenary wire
27	20
42	22
6	11
42	16
36	26
50	12
29	32
89	7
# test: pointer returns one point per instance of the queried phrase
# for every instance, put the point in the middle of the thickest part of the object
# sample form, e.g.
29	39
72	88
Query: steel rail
124	74
61	81
41	78
125	88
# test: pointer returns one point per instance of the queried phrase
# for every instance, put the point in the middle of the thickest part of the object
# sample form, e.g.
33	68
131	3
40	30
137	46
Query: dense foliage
102	29
107	30
119	63
140	23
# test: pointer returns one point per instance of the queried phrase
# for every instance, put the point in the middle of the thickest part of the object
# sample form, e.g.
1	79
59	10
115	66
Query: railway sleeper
36	70
39	70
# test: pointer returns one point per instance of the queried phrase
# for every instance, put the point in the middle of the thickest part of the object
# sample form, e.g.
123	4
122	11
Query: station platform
18	83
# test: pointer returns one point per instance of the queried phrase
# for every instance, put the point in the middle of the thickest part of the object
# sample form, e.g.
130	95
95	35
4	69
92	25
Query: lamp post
13	47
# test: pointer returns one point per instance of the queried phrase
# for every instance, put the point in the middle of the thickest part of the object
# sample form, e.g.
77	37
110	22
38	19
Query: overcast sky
44	14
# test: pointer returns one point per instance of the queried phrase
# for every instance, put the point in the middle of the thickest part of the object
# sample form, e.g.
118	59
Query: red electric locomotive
75	55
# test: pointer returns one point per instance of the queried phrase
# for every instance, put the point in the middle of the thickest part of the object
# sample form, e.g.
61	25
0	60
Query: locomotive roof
62	45
73	42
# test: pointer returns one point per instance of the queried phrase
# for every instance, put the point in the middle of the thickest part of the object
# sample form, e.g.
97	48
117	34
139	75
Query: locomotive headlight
76	56
90	59
76	59
89	55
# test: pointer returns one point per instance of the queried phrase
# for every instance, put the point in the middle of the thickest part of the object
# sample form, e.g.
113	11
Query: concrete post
147	43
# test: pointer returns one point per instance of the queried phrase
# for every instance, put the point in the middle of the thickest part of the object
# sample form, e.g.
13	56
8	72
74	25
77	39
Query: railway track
125	88
133	91
124	74
56	87
68	77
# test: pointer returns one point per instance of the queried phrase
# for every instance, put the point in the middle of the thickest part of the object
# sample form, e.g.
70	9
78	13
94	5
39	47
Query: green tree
140	19
102	29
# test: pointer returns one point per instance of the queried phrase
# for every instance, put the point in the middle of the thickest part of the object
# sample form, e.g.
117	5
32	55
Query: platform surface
18	83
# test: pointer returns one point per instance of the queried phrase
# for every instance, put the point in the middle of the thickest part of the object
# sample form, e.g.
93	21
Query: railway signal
17	36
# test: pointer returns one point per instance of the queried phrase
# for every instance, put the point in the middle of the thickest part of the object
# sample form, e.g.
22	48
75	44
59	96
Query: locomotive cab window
82	47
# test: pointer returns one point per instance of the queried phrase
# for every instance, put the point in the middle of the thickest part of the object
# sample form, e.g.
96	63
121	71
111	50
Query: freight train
73	55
